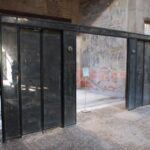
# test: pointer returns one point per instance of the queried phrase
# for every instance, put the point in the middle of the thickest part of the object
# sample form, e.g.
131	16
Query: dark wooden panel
10	82
139	73
146	93
30	80
69	78
52	78
131	74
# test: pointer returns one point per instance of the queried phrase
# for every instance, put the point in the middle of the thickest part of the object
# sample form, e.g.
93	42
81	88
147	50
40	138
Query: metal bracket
133	51
70	49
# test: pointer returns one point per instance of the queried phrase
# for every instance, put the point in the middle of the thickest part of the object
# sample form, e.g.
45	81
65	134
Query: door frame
69	32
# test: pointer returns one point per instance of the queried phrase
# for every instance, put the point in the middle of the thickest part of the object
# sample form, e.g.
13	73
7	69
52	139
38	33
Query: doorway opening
101	71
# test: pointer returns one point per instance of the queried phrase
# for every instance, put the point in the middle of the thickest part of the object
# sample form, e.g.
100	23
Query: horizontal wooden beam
43	23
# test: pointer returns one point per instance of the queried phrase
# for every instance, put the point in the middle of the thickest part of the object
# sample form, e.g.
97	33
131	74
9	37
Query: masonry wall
104	56
55	8
139	11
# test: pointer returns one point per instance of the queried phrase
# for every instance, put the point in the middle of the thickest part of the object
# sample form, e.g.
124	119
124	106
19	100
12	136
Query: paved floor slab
110	128
89	99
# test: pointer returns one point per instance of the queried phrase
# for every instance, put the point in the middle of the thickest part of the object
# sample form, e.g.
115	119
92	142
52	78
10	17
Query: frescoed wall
104	56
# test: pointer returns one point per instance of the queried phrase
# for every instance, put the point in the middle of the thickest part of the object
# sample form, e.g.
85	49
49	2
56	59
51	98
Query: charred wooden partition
38	77
38	72
138	73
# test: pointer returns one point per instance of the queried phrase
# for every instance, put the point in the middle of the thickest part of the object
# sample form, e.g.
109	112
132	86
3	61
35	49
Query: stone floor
91	99
109	128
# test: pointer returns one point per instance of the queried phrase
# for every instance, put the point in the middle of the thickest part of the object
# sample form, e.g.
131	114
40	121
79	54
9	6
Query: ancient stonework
104	56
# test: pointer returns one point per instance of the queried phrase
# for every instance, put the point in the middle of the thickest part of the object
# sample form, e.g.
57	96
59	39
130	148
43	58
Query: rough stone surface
105	13
128	15
104	56
111	128
106	59
138	13
55	8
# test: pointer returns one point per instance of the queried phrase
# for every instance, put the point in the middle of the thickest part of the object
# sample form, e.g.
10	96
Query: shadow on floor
73	138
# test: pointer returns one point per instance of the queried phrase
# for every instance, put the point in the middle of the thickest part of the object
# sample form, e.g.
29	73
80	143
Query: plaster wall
104	56
138	13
